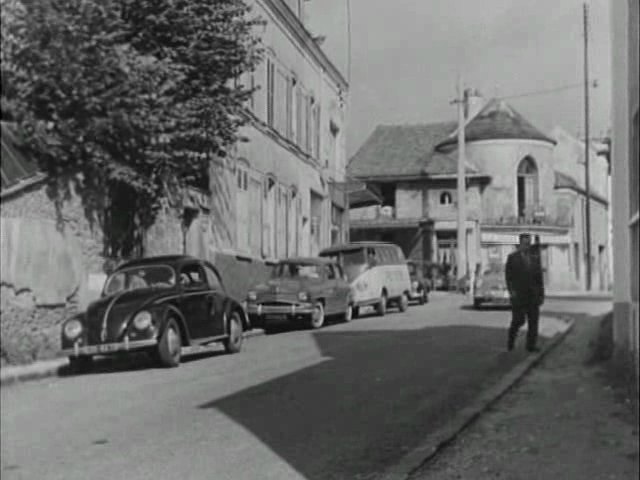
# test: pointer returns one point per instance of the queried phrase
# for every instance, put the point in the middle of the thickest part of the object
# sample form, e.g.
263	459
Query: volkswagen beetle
159	305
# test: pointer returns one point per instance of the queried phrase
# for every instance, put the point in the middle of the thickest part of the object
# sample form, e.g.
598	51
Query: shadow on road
373	399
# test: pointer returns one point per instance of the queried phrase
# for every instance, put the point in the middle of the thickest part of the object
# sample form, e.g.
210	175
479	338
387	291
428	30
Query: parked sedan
302	289
157	305
490	288
419	285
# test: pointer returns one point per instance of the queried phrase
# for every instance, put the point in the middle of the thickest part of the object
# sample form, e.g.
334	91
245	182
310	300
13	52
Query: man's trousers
530	311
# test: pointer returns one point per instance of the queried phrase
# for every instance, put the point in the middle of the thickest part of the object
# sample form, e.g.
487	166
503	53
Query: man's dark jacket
523	275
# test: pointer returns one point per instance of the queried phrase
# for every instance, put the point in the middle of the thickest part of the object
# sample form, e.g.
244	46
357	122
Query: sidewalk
564	420
579	294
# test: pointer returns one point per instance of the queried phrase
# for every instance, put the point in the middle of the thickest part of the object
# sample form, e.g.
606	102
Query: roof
16	166
364	196
497	120
562	180
167	259
405	150
353	246
307	260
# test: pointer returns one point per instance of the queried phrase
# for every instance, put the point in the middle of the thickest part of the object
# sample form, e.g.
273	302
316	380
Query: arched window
445	198
527	186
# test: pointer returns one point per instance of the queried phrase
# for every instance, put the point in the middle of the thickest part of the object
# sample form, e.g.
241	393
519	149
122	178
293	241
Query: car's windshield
353	261
296	270
134	278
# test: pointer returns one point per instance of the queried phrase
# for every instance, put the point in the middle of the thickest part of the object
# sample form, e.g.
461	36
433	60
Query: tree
130	98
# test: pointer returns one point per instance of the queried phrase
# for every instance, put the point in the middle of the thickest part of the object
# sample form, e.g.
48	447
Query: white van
377	272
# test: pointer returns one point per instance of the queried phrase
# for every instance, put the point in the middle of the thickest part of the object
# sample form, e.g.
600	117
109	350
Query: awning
360	195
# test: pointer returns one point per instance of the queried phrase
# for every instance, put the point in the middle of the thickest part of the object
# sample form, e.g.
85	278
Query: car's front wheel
233	343
317	317
403	303
381	307
170	345
348	313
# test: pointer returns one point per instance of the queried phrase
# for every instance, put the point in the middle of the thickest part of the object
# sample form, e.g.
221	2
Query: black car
158	305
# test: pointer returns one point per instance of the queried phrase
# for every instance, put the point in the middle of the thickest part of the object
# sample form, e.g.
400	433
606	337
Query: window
270	92
446	198
527	187
242	208
280	102
212	278
299	117
192	275
331	275
291	87
316	132
308	132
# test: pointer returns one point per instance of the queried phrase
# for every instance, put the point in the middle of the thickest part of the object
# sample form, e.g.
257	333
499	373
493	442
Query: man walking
523	274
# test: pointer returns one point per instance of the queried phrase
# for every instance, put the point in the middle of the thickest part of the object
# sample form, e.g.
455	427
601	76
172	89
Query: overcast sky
406	55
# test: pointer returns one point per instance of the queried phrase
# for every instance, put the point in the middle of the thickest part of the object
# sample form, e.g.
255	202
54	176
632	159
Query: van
377	272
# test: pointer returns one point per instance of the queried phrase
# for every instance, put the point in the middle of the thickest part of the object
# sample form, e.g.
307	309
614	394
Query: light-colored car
305	289
491	288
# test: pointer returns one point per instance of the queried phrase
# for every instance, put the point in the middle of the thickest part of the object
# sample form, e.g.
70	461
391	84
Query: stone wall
47	257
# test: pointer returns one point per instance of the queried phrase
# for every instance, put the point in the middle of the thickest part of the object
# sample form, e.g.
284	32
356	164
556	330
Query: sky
406	56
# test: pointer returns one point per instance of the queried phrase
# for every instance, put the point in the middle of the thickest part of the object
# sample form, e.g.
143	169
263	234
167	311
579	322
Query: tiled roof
497	120
562	180
15	167
404	150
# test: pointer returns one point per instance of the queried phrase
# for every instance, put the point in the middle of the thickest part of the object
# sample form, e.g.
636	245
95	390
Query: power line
594	84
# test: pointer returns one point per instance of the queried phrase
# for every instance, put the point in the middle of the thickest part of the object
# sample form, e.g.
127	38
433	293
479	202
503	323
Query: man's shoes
533	349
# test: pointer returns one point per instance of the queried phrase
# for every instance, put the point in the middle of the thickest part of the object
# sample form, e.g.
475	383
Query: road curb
421	455
54	368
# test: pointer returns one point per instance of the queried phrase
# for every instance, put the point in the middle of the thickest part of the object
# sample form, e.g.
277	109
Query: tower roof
497	121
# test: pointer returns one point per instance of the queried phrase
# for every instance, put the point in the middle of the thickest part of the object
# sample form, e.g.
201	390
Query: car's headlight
414	285
142	320
72	328
303	296
252	296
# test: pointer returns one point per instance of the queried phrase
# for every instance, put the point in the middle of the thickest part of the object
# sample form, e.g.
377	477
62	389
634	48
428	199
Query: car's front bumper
501	298
108	348
293	310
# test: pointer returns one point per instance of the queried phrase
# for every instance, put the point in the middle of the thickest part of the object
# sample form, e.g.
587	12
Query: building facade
282	191
518	179
625	151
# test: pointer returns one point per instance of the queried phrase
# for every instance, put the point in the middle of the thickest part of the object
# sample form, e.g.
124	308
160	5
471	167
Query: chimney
474	101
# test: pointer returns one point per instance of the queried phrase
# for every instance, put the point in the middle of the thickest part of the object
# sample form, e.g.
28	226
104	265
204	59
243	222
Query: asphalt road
344	402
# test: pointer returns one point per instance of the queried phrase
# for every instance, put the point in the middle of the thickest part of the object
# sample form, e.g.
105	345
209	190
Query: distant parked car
419	284
305	289
490	287
158	305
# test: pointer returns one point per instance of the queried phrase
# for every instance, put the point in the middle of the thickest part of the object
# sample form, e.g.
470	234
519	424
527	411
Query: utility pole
462	210
586	142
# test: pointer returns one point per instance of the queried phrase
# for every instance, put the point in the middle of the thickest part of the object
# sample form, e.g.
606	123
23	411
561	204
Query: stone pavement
568	419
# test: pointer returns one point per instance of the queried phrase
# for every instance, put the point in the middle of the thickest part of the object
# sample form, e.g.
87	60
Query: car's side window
192	276
212	278
329	272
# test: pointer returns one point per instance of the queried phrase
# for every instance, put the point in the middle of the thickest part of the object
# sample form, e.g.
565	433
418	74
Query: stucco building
282	192
518	179
625	174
